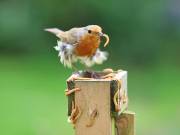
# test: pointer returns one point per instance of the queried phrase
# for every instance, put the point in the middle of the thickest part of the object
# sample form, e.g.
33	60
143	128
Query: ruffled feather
67	56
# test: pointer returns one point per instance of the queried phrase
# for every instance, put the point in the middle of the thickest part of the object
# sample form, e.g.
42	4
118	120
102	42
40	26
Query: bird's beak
107	38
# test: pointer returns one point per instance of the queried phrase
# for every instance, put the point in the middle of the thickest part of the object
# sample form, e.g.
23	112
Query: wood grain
124	124
94	96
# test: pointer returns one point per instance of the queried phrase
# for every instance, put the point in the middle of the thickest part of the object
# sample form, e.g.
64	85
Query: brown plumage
80	44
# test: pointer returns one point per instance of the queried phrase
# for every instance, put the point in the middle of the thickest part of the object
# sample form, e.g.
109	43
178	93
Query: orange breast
87	45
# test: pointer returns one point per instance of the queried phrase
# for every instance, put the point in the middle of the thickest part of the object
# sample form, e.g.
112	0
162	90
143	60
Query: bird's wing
74	35
59	33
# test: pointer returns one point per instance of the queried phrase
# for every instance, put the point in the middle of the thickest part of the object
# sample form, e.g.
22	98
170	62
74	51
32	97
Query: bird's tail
59	33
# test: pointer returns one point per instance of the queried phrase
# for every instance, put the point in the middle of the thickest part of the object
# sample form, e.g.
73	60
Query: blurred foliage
144	39
141	32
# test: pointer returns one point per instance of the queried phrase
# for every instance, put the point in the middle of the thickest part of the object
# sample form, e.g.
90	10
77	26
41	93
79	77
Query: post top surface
98	76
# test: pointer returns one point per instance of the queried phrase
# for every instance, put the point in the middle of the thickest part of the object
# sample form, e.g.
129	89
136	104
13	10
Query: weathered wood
70	85
94	101
98	102
124	124
120	79
113	88
123	94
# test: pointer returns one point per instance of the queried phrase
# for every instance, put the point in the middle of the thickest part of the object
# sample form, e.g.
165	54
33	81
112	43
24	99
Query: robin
80	44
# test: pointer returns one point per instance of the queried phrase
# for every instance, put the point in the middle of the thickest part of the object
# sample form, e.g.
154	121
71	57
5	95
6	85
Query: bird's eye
89	31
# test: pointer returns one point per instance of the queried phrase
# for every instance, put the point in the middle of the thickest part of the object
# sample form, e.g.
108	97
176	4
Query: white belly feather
67	56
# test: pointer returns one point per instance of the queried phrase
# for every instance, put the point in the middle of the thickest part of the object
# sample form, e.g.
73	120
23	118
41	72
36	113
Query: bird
80	44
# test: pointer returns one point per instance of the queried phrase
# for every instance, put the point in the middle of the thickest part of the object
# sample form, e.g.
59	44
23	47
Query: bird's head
96	30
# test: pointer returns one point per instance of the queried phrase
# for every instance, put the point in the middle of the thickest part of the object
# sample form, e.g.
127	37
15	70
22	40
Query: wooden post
94	101
124	124
98	102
